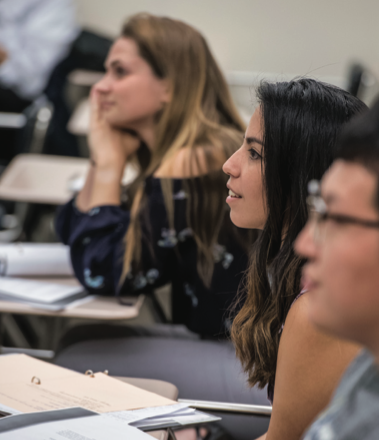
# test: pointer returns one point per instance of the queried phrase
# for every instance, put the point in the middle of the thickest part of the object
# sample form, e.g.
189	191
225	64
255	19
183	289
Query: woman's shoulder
191	162
309	366
304	347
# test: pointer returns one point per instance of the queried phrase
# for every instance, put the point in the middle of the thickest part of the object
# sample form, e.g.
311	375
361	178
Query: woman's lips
105	105
233	194
232	197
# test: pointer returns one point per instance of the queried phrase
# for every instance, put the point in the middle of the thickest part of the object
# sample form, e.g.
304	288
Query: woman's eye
254	155
120	71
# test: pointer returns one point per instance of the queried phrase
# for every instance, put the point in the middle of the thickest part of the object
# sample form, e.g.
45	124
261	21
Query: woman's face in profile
246	193
130	94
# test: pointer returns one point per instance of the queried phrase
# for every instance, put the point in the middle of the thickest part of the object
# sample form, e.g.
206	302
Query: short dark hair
359	142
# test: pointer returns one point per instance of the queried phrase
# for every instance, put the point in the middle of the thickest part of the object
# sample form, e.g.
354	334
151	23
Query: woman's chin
115	122
238	221
242	221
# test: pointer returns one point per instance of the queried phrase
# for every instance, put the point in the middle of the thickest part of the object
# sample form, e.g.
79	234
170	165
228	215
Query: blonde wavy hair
200	115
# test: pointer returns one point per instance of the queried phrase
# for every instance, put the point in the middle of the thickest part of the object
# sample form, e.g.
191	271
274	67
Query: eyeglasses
318	213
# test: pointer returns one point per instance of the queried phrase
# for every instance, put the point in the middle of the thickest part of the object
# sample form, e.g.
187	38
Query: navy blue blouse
168	255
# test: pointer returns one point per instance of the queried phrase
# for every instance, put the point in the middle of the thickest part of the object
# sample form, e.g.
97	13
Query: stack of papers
42	294
38	260
163	417
35	259
35	392
78	423
73	424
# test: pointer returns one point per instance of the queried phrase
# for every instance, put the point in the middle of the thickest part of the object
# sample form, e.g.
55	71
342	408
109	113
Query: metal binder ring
106	372
36	380
89	373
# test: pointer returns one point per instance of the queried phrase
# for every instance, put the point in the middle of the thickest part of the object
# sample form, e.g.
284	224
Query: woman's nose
104	85
231	166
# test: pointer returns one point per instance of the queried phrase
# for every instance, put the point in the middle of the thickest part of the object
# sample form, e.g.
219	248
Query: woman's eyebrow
253	140
113	63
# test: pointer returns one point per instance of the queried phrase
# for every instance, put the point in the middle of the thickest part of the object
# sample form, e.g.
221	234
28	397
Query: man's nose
305	245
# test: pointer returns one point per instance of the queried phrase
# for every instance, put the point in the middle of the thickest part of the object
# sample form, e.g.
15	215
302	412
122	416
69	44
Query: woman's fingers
95	107
130	142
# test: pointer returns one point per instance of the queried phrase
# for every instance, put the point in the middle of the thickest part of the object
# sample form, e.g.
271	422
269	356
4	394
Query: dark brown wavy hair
301	120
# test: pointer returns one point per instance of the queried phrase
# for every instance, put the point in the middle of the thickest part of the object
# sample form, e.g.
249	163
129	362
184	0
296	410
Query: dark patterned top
168	255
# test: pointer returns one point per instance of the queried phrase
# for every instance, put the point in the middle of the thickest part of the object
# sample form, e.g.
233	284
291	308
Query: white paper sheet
35	259
190	418
164	416
30	290
140	414
72	424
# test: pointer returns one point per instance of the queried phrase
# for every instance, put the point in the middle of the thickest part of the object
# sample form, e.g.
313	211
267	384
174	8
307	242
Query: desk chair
362	83
32	124
52	323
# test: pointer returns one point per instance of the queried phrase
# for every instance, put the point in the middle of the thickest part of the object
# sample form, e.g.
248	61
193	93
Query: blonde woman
165	104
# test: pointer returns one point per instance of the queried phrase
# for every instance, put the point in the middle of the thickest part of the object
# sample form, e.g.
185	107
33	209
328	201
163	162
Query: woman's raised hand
109	146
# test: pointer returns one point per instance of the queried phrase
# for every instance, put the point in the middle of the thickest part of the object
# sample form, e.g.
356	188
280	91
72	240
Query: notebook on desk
42	294
33	260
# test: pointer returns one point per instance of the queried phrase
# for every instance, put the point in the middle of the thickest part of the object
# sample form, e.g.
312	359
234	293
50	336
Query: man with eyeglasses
341	245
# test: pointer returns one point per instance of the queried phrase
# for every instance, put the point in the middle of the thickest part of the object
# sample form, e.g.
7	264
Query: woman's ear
166	91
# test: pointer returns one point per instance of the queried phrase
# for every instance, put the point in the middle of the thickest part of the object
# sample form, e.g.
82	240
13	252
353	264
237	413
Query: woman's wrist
108	162
108	174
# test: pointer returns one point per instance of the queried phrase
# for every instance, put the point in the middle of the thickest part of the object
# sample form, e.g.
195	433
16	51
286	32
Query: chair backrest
362	83
32	125
32	135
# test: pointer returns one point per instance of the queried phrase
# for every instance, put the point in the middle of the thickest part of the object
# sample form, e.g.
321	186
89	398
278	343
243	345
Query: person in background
341	245
165	105
289	141
35	35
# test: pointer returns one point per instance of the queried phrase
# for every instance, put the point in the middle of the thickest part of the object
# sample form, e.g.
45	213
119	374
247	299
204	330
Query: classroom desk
98	308
39	178
101	307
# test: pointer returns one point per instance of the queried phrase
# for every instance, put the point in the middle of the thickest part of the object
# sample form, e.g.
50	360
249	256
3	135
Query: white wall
296	37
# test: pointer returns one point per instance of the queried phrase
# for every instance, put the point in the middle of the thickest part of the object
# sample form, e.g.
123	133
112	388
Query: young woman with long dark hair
289	142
